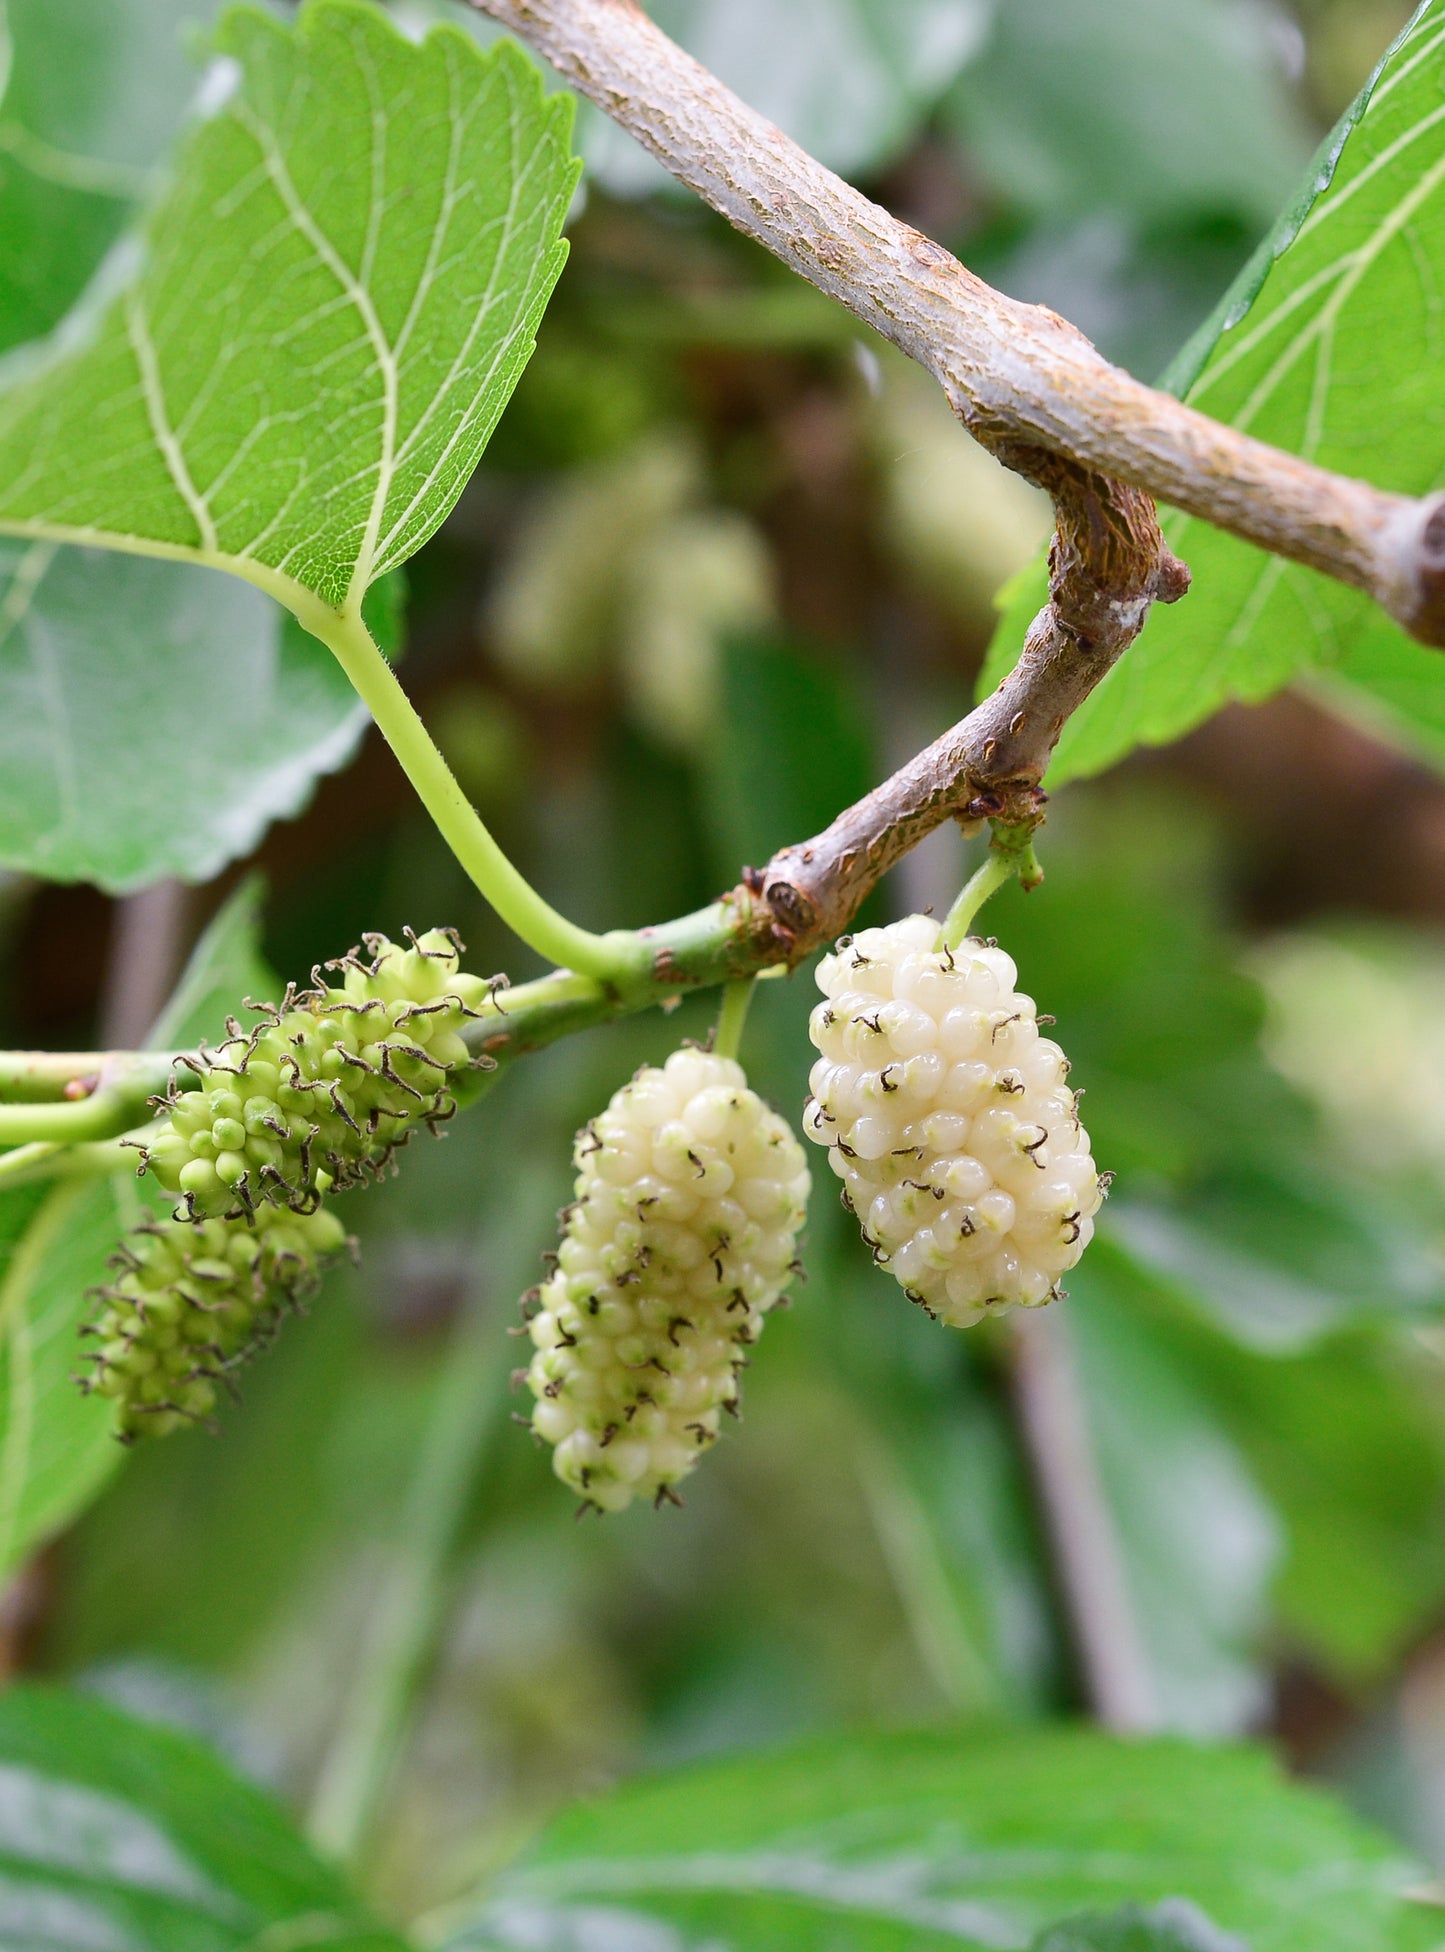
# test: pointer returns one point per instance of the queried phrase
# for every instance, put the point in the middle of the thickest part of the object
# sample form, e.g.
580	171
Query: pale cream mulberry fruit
690	1195
950	1122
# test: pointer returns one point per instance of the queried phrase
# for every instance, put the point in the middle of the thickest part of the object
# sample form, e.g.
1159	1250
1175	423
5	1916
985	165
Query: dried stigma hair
326	1087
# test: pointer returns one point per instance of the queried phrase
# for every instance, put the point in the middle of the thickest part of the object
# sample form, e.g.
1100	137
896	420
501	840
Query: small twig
1025	383
468	1399
41	1077
732	1017
1053	1425
28	1165
147	946
103	1115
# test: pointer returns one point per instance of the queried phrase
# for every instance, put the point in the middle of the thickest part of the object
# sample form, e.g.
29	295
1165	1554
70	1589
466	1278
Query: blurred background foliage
723	566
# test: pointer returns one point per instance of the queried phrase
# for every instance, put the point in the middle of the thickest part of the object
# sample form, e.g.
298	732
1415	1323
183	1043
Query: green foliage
850	81
1347	1442
56	1446
94	93
106	667
56	1450
780	700
1327	348
929	1841
118	1833
1228	1189
387	214
388	1595
1144	109
90	93
1174	1926
1199	1584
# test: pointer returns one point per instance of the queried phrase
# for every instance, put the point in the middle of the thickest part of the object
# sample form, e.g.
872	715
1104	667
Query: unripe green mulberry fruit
690	1197
328	1086
190	1302
949	1120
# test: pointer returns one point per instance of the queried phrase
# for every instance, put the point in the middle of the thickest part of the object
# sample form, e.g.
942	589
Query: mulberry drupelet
328	1086
949	1120
190	1302
690	1195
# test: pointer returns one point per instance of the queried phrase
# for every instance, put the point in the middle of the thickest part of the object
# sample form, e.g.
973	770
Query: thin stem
918	1568
1011	852
147	948
732	1017
1087	1556
457	820
101	1116
466	1409
49	1159
30	1076
985	881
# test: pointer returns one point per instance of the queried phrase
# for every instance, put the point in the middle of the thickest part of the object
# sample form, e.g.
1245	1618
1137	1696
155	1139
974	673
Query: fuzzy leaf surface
154	717
1329	346
918	1843
117	1834
295	372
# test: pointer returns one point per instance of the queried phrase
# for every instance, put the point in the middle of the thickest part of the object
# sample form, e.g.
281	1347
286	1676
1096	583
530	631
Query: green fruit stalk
191	1302
949	1120
324	1089
690	1195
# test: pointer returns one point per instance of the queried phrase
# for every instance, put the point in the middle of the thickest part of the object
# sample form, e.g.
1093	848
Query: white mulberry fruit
949	1120
190	1303
690	1195
326	1088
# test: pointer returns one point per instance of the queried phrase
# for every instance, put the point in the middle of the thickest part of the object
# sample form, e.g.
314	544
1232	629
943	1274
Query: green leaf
1200	1542
91	91
1328	348
851	80
1227	1188
1280	1252
1174	1926
1144	108
295	375
1346	1442
122	1835
154	717
56	1445
793	745
916	1843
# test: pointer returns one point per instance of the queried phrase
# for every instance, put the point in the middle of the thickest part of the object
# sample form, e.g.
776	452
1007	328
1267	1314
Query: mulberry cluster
690	1195
190	1302
326	1087
949	1120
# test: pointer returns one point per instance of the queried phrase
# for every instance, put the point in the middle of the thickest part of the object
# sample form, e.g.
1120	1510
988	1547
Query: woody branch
1036	393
